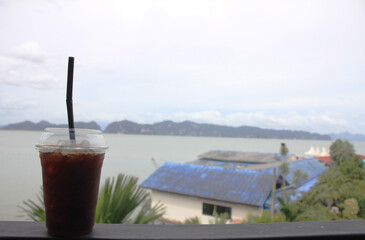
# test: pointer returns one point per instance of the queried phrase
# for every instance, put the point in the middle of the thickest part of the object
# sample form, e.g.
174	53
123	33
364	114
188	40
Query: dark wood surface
302	230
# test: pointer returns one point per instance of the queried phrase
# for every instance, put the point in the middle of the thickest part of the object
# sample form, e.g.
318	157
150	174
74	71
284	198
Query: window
208	209
223	210
213	210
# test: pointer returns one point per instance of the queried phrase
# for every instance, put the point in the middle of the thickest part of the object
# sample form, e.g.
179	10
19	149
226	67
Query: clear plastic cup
71	174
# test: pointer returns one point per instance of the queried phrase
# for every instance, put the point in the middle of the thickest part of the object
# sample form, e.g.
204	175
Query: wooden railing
354	229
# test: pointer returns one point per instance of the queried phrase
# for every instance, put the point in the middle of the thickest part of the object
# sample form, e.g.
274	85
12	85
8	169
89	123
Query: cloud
8	64
40	81
10	105
43	81
17	69
29	51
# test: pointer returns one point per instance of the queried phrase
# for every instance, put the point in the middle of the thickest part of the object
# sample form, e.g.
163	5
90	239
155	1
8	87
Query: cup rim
56	148
51	147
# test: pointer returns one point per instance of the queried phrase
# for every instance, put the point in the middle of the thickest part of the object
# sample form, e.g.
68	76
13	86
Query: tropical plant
192	220
121	200
34	210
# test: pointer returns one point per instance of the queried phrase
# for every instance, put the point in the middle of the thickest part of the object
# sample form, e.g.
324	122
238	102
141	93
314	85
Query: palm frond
151	214
34	211
119	199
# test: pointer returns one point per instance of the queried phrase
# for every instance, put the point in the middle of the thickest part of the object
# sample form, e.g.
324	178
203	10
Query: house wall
180	207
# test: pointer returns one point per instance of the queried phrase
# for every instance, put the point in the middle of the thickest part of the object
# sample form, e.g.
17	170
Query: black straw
70	113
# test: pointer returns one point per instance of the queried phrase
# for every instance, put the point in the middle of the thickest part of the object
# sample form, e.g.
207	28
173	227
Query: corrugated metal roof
306	187
225	164
311	166
248	157
212	182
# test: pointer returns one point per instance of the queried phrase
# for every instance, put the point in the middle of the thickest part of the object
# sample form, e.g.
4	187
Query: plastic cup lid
58	139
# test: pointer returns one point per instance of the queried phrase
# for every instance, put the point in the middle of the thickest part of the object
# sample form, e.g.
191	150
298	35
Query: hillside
40	126
189	128
348	136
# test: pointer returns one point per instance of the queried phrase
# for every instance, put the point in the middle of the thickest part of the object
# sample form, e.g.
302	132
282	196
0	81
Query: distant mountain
348	136
40	126
189	128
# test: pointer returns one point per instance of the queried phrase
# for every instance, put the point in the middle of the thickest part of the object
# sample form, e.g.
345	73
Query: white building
192	190
179	207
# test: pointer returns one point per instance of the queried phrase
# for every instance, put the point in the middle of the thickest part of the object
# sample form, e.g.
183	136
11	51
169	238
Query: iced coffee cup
71	175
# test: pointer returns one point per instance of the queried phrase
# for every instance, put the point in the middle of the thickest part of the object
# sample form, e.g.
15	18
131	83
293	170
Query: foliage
35	210
284	169
120	197
299	177
361	203
289	210
192	220
352	169
147	214
350	209
342	150
121	200
265	217
316	212
220	219
339	192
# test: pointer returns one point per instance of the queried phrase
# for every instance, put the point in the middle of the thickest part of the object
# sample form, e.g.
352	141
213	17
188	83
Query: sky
297	65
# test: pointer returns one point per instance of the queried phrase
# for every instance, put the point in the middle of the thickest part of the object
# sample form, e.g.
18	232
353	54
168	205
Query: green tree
350	209
289	210
338	194
342	150
121	200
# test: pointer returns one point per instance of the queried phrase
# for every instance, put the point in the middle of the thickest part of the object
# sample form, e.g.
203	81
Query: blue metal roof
244	156
306	187
311	166
212	182
225	164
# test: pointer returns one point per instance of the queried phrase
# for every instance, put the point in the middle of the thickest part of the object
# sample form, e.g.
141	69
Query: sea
136	155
